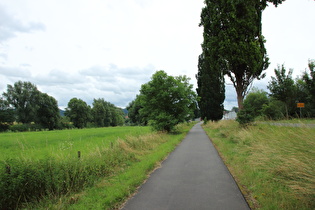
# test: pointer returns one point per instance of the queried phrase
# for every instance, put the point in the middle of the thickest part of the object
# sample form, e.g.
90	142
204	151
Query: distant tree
309	79
117	116
23	96
106	114
6	112
282	88
78	112
6	115
100	112
234	109
134	108
167	101
48	112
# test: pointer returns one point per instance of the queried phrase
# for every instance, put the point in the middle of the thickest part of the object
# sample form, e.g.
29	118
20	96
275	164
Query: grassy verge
274	166
296	120
101	179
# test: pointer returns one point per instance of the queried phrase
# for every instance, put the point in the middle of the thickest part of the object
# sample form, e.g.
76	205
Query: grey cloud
4	56
16	72
116	85
57	77
9	26
113	72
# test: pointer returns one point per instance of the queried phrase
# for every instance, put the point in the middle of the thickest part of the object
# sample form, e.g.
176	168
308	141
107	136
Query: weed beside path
274	166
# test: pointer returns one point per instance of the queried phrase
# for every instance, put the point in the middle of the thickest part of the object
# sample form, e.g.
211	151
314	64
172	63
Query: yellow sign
300	105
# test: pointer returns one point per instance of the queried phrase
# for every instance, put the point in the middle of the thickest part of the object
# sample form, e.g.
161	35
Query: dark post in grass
79	154
8	169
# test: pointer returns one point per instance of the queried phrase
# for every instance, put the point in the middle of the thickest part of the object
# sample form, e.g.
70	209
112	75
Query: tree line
163	102
285	94
25	104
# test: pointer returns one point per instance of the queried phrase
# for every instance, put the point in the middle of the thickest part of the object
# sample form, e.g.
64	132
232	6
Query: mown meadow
273	165
98	168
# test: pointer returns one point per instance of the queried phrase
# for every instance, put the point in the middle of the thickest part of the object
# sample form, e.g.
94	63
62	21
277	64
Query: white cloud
10	26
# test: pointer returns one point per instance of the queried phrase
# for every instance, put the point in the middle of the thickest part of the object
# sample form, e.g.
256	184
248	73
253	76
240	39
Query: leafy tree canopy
78	112
23	96
167	101
282	88
47	112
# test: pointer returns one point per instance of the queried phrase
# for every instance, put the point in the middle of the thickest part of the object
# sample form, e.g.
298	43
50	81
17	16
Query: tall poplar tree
210	78
237	44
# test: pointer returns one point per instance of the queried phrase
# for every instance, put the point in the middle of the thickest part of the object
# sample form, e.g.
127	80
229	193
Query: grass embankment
104	176
274	166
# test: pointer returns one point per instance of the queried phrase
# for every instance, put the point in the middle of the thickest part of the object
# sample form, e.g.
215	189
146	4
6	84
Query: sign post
300	105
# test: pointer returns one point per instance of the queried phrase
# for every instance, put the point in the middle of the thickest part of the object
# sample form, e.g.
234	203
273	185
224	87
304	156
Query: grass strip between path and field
112	191
273	166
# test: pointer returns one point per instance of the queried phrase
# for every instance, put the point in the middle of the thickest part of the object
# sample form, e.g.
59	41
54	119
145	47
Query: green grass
296	120
62	143
102	178
274	166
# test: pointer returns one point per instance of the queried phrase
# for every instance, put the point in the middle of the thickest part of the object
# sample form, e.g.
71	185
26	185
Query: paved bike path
192	177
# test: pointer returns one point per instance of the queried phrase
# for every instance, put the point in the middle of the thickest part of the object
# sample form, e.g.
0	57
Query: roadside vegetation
286	94
112	164
274	166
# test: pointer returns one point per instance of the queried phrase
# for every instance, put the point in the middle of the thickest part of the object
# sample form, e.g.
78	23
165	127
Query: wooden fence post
8	169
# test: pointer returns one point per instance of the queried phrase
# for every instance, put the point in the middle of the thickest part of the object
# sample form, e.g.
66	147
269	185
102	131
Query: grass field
45	172
62	143
274	166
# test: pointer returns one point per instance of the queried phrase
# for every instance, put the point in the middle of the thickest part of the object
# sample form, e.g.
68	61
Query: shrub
244	118
25	127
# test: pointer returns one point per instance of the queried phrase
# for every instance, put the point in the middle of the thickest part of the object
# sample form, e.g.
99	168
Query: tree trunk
239	91
240	99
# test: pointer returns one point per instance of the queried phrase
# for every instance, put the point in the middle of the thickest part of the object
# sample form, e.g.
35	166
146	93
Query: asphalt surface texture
192	177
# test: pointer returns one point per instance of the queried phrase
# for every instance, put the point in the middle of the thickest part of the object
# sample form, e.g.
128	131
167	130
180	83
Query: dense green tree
6	115
167	100
134	112
6	112
101	113
253	106
309	79
211	89
210	77
117	116
106	114
233	33
254	102
274	110
48	112
78	112
23	96
282	88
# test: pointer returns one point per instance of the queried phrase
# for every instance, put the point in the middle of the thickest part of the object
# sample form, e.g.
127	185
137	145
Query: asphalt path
192	177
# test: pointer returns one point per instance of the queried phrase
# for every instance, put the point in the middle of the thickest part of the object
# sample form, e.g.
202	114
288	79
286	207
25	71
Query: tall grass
274	165
26	180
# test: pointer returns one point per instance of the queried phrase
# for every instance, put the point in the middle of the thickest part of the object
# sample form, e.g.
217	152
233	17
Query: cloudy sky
109	48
